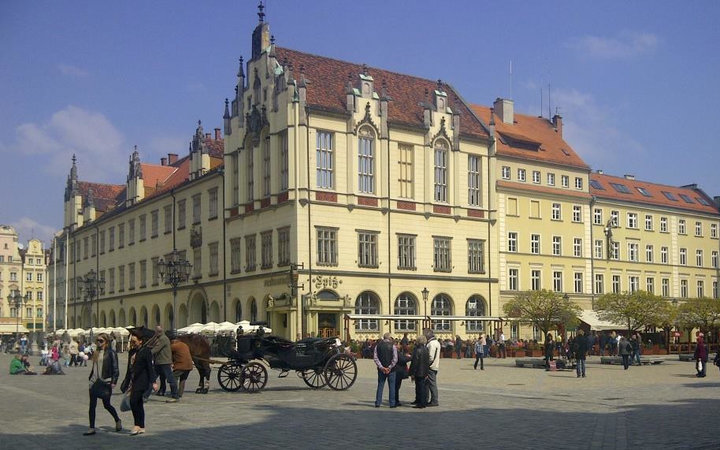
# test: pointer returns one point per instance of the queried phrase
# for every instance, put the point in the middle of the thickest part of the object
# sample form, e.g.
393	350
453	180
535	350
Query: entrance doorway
327	325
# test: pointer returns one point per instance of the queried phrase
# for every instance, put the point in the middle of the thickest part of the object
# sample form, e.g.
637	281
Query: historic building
22	270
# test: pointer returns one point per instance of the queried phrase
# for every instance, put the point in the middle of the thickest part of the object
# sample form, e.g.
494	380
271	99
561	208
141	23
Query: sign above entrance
324	282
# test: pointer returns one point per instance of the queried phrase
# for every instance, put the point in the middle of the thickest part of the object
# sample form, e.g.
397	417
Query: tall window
535	280
155	272
632	220
699	258
577	247
367	304
616	284
121	278
615	217
266	250
599	283
197	208
476	256
250	253
700	289
557	281
565	181
664	255
556	211
167	210
405	163
406	251
632	251
634	283
578	282
474	194
284	246
713	231
598	249
512	241
536	176
650	285
367	249
324	160
235	252
684	288
557	245
441	254
663	225
649	253
615	250
665	286
405	305
475	307
143	273
441	306
521	175
131	276
681	227
535	244
577	213
121	237
714	259
235	170
197	262
513	275
441	168
266	166
213	203
505	172
284	163
143	233
648	222
250	174
111	241
551	179
327	246
683	256
154	223
366	161
214	263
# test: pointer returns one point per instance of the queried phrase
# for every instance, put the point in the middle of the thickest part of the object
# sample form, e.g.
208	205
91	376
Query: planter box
520	354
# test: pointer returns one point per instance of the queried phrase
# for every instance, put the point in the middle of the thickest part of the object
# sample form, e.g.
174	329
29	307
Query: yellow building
377	184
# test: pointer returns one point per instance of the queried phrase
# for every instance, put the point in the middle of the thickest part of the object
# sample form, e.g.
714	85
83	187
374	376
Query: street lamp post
17	300
425	294
174	271
93	287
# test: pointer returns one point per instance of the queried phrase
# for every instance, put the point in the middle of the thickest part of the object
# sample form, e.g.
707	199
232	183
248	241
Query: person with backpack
625	349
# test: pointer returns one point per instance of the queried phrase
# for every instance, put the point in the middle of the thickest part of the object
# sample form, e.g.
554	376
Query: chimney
599	171
629	176
163	161
218	136
557	123
172	158
505	110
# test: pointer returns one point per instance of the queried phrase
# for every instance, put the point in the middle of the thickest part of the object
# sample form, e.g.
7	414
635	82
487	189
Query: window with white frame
327	246
367	304
368	249
442	254
663	225
405	163
551	179
235	170
505	172
615	217
521	175
265	150
578	282
599	249
577	213
406	252
698	229
650	285
615	250
250	253
441	171
250	173
535	244
616	284
557	281
235	253
634	283
441	306
683	257
714	289
474	194
713	230
649	250
597	216
512	242
476	256
325	160
535	280
536	176
213	203
578	183
714	259
681	227
405	305
577	247
513	279
632	220
564	181
366	160
699	258
684	288
556	245
648	222
700	289
665	286
475	307
664	255
599	283
556	211
633	251
266	249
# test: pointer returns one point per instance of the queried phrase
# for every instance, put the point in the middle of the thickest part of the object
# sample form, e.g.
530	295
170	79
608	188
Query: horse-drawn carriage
318	361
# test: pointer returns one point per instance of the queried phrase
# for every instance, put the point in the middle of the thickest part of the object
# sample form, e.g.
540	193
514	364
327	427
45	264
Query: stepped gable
626	189
530	137
327	85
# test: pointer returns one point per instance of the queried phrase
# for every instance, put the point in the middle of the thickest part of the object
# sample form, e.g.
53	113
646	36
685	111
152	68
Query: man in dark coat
580	349
419	370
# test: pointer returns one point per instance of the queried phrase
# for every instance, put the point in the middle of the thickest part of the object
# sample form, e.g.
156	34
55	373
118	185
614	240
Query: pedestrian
18	367
103	378
139	376
480	351
404	342
181	363
162	355
401	372
701	356
580	349
458	346
385	357
625	349
434	350
502	353
23	344
419	370
638	351
716	361
549	347
73	349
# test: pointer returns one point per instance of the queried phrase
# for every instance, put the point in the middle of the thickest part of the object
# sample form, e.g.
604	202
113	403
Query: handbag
125	403
101	389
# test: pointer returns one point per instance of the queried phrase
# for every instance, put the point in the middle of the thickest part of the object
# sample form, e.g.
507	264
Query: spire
227	109
71	188
73	170
226	119
241	69
261	14
135	167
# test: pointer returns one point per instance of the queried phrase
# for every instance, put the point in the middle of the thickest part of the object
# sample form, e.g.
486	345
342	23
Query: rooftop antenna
510	80
549	103
541	101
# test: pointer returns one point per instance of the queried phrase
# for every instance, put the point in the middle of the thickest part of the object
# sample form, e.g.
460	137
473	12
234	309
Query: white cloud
626	44
28	228
72	71
99	146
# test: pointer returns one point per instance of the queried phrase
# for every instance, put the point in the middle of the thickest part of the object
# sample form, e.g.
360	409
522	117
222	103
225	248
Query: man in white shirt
434	349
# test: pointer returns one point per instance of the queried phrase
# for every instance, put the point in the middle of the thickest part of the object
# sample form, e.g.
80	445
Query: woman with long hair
139	376
103	378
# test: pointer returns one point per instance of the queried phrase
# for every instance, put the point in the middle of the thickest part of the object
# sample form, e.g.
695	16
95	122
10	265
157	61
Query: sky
636	82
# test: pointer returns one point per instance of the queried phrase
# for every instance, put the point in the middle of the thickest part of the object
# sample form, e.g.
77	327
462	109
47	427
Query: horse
200	351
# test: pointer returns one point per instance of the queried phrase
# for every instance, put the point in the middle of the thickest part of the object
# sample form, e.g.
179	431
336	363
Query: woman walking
480	351
139	376
103	378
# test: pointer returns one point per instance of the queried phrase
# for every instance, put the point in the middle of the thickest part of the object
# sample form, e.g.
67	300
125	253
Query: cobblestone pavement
500	407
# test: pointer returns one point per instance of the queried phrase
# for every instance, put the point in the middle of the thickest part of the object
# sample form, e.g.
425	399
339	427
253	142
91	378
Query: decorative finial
272	39
350	76
365	68
74	159
439	85
241	69
261	14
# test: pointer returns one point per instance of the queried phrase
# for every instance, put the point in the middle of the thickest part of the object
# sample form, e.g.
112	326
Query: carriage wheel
314	378
229	377
253	377
340	372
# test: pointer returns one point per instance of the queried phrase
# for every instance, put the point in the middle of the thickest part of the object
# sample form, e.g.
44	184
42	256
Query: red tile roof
106	196
531	138
543	189
328	80
601	187
155	174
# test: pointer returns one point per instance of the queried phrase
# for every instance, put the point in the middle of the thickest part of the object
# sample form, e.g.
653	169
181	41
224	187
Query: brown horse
200	351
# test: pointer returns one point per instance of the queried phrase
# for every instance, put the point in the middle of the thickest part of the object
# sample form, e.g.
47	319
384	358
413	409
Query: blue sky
636	82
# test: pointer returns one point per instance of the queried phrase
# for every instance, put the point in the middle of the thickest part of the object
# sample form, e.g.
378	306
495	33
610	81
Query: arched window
366	160
405	305
441	170
326	295
367	303
475	307
253	311
238	311
441	306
